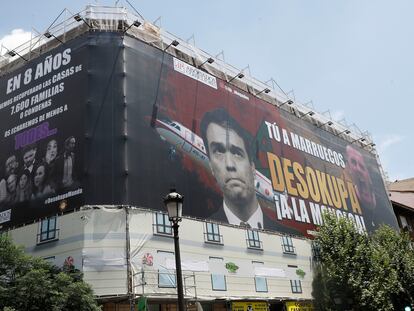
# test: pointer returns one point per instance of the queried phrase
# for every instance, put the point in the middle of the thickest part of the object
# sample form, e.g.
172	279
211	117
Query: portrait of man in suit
228	147
29	158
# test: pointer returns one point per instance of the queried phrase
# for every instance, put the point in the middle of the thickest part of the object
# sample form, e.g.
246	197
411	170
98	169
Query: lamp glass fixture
174	204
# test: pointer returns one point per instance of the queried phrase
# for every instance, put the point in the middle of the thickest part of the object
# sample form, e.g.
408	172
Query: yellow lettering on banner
333	189
356	208
289	177
301	186
276	172
299	306
343	193
326	198
312	184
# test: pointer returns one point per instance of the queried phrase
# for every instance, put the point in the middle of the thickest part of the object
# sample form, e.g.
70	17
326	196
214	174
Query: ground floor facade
215	306
127	252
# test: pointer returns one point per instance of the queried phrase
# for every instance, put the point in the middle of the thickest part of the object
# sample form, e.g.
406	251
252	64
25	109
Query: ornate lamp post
174	204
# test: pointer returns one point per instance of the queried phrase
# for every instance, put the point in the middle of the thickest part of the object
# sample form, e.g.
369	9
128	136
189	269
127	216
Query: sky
352	58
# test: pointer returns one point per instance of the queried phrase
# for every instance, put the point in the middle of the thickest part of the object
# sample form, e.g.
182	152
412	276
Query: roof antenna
220	54
192	38
158	20
135	10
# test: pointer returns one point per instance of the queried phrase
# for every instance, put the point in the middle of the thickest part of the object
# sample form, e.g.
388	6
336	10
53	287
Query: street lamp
174	204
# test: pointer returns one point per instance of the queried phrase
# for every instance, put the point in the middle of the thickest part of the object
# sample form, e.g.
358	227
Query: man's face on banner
360	176
230	163
29	157
70	147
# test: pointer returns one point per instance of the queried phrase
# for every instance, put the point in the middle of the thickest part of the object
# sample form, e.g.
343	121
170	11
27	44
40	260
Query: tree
361	272
30	283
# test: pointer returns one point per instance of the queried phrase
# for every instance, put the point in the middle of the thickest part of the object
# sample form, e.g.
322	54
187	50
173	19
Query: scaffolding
118	19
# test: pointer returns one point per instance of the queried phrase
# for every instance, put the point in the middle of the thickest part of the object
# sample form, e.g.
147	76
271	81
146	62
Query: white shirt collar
253	221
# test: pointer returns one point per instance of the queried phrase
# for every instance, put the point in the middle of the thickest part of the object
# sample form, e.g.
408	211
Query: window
316	251
213	233
287	245
176	126
48	231
166	277
253	239
218	282
296	286
404	223
260	282
162	224
218	279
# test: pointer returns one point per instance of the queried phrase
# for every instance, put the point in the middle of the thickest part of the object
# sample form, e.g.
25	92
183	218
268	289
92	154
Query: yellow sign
299	306
249	306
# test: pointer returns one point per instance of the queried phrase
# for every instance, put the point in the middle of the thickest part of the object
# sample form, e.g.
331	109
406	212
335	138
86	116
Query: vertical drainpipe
125	125
131	294
130	280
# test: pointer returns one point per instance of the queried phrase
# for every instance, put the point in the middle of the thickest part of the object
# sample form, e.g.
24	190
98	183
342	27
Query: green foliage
361	272
300	273
30	283
232	267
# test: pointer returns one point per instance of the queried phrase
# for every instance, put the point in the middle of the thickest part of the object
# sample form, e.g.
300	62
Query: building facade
222	264
106	112
402	199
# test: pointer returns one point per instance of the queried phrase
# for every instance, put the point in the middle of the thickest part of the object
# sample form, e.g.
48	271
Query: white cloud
388	141
14	39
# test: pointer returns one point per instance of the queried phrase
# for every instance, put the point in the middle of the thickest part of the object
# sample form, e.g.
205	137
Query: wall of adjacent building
96	240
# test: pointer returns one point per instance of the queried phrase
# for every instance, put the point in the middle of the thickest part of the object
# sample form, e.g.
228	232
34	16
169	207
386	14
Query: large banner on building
236	158
41	130
107	119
